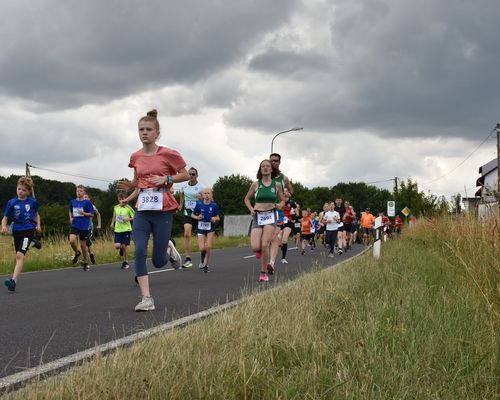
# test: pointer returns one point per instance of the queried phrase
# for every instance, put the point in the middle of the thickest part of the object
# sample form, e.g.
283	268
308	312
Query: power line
387	180
463	161
72	174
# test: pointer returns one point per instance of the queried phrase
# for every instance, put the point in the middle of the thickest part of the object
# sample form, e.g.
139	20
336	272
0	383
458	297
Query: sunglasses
192	174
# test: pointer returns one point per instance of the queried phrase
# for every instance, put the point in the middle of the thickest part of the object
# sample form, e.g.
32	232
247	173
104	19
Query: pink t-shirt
164	162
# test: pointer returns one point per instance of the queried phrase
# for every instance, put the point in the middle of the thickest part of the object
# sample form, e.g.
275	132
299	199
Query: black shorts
367	231
188	220
321	230
289	224
82	234
348	227
22	240
306	236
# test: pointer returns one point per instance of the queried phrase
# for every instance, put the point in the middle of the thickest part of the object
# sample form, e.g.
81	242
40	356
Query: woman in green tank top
268	196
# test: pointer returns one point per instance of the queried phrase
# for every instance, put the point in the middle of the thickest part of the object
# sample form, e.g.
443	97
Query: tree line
229	191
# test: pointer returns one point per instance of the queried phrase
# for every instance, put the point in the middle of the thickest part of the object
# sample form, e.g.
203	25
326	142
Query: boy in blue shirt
22	211
80	213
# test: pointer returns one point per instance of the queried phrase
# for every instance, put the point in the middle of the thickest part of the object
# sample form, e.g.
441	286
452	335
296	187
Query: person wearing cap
367	220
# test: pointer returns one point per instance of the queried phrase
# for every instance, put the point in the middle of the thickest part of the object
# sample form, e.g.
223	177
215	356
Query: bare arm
249	195
4	225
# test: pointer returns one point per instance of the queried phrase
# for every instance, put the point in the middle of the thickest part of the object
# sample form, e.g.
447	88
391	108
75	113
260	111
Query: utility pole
396	186
28	175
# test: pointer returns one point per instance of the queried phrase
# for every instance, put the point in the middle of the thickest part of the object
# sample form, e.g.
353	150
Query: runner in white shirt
190	193
332	221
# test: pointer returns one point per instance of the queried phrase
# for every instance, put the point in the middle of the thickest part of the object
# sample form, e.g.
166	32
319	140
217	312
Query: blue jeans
159	223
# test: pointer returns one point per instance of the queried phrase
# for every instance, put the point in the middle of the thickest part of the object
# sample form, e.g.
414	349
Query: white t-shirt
331	220
191	194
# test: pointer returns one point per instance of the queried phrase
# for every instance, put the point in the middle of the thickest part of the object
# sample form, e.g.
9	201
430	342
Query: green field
420	323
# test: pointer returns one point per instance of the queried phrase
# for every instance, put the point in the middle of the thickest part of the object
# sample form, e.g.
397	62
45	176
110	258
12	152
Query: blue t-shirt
79	221
22	213
208	210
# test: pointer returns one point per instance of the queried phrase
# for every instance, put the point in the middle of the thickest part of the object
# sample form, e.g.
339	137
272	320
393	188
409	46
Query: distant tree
456	204
229	192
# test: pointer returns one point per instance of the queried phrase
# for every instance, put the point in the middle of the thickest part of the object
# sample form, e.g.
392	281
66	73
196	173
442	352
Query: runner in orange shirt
367	220
305	230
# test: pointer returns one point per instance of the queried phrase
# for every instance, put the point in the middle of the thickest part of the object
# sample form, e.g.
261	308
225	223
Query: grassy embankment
420	323
56	252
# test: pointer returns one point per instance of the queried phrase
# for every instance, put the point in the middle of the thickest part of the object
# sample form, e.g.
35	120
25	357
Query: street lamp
279	133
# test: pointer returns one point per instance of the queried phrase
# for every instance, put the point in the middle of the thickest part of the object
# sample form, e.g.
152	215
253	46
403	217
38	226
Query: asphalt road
57	313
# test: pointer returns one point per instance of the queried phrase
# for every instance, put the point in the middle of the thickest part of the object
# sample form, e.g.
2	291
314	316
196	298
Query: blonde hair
208	189
26	182
151	116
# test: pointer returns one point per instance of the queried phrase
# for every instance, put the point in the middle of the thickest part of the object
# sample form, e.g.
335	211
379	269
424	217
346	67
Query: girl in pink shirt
156	168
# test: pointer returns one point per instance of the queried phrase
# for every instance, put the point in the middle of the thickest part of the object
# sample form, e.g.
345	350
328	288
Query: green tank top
266	194
281	180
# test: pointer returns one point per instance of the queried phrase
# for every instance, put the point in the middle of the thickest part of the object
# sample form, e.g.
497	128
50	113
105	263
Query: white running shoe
175	257
284	261
146	304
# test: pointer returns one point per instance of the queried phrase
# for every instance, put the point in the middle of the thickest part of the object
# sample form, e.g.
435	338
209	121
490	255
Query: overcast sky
382	88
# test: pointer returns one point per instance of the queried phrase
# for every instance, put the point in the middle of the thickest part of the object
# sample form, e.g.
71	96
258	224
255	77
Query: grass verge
414	325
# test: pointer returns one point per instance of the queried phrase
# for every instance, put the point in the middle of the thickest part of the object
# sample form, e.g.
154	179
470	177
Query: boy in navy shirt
22	212
80	213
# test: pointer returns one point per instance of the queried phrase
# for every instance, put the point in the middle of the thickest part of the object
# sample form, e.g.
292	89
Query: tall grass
413	325
56	252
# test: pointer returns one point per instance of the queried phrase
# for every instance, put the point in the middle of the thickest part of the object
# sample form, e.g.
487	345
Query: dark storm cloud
395	68
65	54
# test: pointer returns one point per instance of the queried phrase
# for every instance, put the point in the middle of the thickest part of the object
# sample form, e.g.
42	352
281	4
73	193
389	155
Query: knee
159	262
117	245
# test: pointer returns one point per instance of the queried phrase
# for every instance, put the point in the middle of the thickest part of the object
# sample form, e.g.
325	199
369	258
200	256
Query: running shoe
205	269
263	277
270	269
120	252
175	257
36	243
258	255
11	284
125	265
331	255
284	261
188	263
76	257
92	258
85	266
303	252
146	304
340	252
201	265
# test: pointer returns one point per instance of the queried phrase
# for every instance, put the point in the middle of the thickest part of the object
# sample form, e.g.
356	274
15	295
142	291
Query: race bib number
285	220
297	224
204	226
265	218
120	218
150	199
190	204
77	212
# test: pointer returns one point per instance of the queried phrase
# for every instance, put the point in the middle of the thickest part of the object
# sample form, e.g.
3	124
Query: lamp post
279	133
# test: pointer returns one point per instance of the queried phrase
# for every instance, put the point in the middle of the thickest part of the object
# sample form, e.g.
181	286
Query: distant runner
206	212
22	212
190	193
80	213
121	223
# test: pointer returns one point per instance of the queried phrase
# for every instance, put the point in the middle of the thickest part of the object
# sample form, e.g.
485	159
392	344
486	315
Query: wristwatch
169	180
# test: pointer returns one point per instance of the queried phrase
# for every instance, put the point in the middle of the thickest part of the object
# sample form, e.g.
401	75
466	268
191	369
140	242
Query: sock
284	248
203	254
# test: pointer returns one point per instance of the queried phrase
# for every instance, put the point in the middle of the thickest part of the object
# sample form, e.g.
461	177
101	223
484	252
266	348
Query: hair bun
153	113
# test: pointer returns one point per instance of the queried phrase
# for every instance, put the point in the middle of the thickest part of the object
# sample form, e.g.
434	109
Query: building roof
488	167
